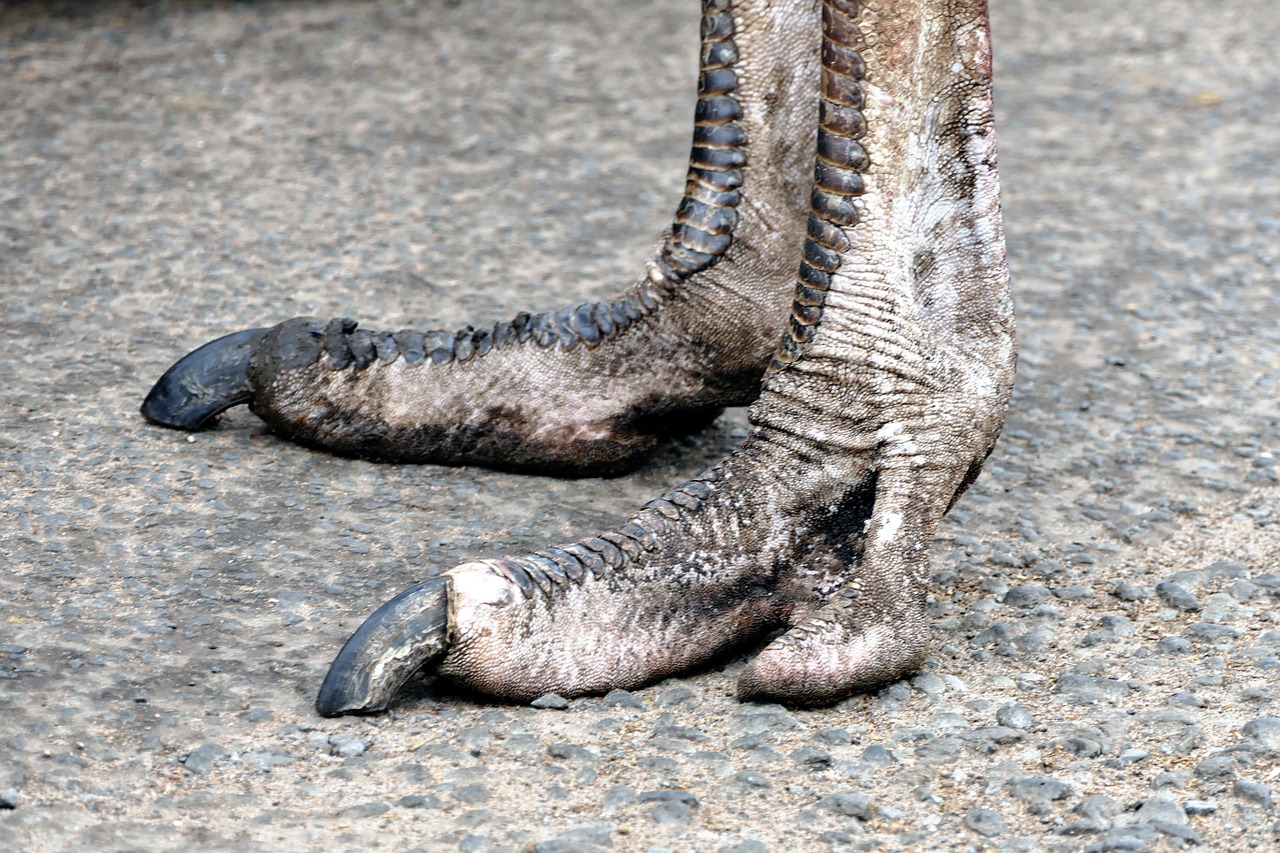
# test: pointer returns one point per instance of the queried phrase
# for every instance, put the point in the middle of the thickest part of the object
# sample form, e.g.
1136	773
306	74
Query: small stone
570	752
748	846
347	746
617	798
1126	591
929	684
1255	792
771	719
1037	792
267	759
813	758
1173	645
1170	779
1000	735
985	822
683	797
834	736
1184	699
1161	808
1228	569
1199	808
673	696
1027	596
622	699
471	795
1207	632
848	804
1177	596
476	843
1081	747
1217	768
1098	807
200	760
1088	690
550	702
416	801
597	833
672	812
753	778
1243	590
1265	732
364	810
9	800
878	756
1014	716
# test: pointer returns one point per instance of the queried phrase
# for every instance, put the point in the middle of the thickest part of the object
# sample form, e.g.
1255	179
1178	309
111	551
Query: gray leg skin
692	336
885	395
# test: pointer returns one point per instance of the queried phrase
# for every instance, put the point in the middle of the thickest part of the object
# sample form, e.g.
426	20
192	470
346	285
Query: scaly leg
585	390
885	395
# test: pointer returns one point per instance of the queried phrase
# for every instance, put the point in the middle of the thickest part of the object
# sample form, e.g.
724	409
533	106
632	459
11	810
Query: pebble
1177	596
1199	807
617	798
985	822
9	799
749	846
1014	716
584	836
753	779
1254	792
1126	591
1027	596
1173	645
1265	733
673	696
200	760
1088	689
364	810
672	796
878	756
622	699
1207	632
347	746
571	752
672	812
550	702
1037	792
848	804
810	757
417	801
471	795
1216	768
834	736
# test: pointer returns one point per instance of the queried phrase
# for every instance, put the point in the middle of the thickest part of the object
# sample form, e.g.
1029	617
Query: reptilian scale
854	141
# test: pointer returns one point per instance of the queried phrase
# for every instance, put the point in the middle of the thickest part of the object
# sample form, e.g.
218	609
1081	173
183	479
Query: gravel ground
1108	640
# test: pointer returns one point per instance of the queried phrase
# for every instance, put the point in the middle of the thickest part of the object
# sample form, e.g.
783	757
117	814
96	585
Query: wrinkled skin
875	410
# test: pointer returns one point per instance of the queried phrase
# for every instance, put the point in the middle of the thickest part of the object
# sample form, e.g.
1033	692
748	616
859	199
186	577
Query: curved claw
204	383
401	637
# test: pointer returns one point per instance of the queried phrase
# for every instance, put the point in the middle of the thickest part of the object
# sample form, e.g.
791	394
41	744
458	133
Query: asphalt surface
1106	669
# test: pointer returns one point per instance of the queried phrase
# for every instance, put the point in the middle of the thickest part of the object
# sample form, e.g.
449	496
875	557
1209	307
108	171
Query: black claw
203	383
401	637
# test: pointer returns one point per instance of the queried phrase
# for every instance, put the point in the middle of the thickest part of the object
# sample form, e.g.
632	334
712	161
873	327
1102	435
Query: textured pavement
171	171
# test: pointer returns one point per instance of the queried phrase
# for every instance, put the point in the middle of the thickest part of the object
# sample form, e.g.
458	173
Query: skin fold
883	397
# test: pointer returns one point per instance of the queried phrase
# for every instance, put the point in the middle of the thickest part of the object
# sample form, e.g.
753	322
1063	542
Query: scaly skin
587	390
885	396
